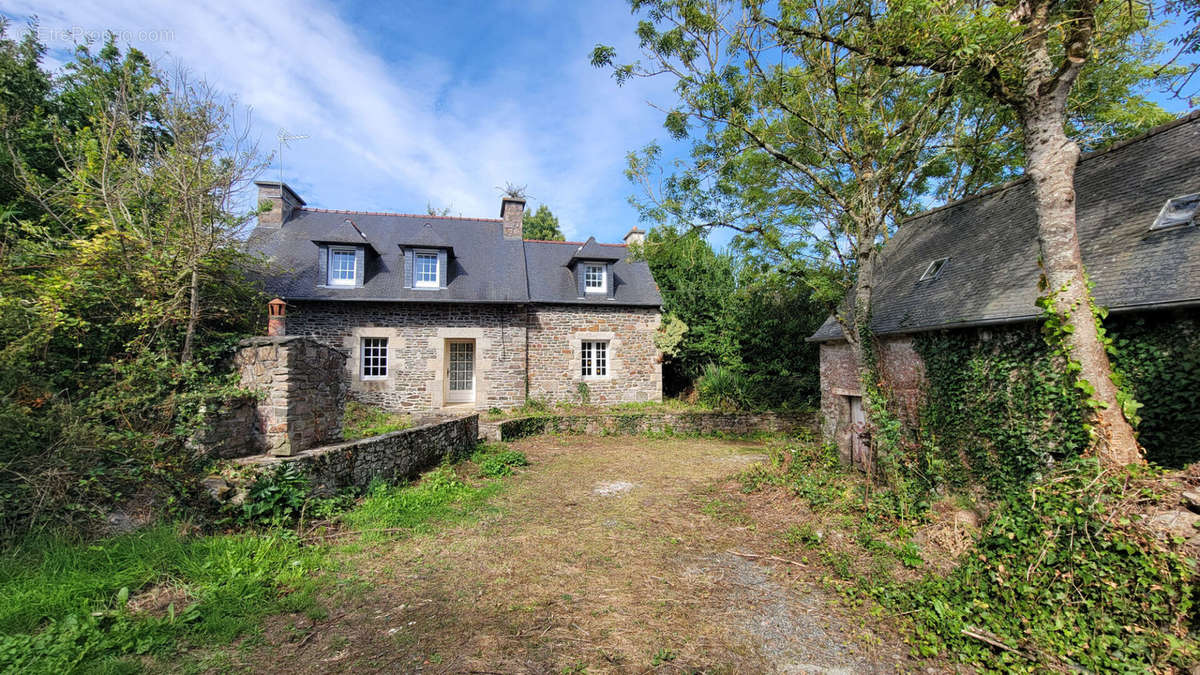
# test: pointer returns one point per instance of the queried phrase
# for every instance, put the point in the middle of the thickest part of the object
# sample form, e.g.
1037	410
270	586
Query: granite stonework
417	336
616	424
509	339
233	430
392	457
556	333
303	387
901	368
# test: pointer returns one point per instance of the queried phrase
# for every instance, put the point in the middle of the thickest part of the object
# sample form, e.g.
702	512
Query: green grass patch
495	460
439	497
363	421
63	603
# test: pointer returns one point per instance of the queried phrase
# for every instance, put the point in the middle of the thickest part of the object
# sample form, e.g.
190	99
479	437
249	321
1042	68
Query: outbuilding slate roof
485	267
990	241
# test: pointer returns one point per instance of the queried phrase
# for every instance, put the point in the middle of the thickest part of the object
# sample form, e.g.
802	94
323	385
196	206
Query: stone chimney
635	236
512	212
284	202
276	318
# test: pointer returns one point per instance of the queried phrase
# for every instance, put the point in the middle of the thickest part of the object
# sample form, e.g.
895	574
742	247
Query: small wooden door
859	452
460	371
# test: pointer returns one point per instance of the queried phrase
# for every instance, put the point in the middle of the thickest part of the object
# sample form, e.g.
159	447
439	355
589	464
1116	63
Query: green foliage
363	421
1064	574
501	463
107	366
541	225
438	497
1002	405
63	602
1159	359
1006	408
669	335
278	497
721	387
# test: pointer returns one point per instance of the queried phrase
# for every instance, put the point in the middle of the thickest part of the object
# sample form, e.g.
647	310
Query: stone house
972	265
437	311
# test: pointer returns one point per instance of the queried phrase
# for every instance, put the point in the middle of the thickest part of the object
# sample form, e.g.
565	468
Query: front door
460	371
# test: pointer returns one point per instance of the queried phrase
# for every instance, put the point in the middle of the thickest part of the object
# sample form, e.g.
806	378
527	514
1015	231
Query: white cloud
391	129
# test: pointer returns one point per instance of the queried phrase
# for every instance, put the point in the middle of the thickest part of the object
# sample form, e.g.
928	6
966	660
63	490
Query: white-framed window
935	268
374	358
425	270
1177	211
343	264
594	358
593	278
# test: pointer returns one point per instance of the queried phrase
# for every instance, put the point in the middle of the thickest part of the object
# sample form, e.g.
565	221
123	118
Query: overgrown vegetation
363	421
1062	574
1002	409
120	286
73	606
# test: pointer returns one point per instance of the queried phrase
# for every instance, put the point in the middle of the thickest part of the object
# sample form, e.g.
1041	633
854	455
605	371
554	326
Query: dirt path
606	555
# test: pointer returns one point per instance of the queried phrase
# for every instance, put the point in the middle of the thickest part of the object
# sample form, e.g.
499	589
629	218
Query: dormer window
594	278
935	268
343	266
1178	211
425	271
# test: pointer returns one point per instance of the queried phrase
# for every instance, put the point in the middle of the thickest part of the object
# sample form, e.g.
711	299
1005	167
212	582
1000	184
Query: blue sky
408	104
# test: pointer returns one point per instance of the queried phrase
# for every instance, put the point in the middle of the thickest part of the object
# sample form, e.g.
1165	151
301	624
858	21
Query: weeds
363	421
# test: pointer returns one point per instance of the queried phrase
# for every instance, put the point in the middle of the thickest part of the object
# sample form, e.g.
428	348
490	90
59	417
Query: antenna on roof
284	138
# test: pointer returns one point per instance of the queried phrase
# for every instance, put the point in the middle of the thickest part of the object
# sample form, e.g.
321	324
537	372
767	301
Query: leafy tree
542	224
826	121
696	284
124	289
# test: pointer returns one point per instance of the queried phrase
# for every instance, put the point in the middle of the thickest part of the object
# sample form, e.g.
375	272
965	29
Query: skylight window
935	268
1178	211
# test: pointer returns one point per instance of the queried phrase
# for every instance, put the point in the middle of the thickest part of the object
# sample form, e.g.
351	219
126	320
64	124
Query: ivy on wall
1000	403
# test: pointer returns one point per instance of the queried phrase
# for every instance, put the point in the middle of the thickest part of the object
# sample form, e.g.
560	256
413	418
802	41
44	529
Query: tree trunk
1051	158
193	317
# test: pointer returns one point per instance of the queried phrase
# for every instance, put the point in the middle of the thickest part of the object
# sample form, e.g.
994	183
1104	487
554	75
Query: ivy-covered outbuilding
961	352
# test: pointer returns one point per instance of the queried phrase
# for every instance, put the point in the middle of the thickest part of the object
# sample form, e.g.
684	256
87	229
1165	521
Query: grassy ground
620	554
617	554
363	421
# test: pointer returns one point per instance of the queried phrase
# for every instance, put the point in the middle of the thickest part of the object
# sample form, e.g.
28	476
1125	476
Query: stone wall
417	335
233	430
634	364
902	370
391	457
705	423
304	392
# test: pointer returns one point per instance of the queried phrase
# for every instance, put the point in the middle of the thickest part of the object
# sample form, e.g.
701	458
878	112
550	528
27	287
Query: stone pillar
512	212
276	318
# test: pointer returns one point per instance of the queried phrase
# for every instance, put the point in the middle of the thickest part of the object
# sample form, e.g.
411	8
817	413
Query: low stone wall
392	457
613	424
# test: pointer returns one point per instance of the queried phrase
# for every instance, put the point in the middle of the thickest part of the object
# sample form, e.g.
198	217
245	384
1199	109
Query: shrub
721	387
277	497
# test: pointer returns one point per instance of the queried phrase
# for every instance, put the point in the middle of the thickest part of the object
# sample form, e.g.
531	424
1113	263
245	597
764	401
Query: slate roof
991	242
552	281
484	268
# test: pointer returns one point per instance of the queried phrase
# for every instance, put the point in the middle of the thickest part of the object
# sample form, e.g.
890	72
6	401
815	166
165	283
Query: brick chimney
512	212
284	202
635	236
276	317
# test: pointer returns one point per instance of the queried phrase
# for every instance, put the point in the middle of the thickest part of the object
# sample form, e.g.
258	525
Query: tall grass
62	603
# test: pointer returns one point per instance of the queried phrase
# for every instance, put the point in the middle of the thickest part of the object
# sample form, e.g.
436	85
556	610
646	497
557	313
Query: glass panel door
460	371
